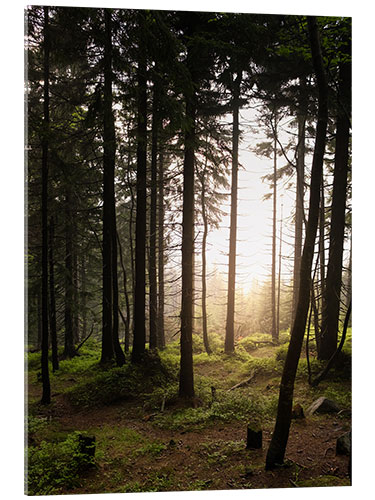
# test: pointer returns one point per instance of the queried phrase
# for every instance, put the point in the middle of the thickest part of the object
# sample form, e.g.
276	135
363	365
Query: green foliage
281	353
247	343
263	366
217	452
229	406
114	384
52	467
154	449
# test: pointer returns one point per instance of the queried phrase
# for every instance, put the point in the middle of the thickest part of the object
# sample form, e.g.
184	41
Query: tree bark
139	337
186	382
109	145
229	329
204	285
153	216
46	395
68	313
332	292
160	316
274	331
52	300
276	450
299	202
126	295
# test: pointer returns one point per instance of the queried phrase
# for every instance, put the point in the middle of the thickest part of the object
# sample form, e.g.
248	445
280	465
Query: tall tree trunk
46	395
109	147
110	337
204	285
298	228
322	253
119	354
186	386
126	295
68	314
160	316
139	337
279	278
83	296
52	300
39	319
76	308
153	214
276	450
229	329
275	334
332	293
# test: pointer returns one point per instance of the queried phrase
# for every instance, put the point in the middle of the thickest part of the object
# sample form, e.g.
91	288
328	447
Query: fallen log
243	383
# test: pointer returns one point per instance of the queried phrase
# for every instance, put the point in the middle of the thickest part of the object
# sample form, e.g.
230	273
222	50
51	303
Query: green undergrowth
111	384
55	467
228	406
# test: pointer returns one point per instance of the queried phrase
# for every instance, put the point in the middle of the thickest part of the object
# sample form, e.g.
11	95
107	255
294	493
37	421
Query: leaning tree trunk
229	329
276	450
139	336
46	395
332	292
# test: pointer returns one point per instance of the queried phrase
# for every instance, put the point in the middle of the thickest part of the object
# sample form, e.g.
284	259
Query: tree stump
87	445
254	438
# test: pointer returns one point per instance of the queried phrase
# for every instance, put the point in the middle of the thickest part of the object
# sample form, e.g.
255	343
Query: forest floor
175	448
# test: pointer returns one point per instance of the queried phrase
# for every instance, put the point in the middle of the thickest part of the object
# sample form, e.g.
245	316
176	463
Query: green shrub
281	353
54	467
115	383
247	343
229	406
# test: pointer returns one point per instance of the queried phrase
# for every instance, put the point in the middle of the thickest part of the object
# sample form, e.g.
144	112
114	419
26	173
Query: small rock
254	438
323	405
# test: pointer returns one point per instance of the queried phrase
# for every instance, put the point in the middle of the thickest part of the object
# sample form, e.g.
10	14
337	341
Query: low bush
122	383
54	467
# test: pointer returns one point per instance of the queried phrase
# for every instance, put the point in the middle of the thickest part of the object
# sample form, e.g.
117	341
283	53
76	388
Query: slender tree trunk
299	206
279	279
153	216
229	329
332	292
52	303
160	316
39	319
68	315
276	450
186	387
139	337
322	255
275	335
204	285
126	295
109	148
75	309
46	396
83	296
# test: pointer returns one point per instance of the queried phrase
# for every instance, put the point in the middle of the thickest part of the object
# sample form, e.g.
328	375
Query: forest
188	251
